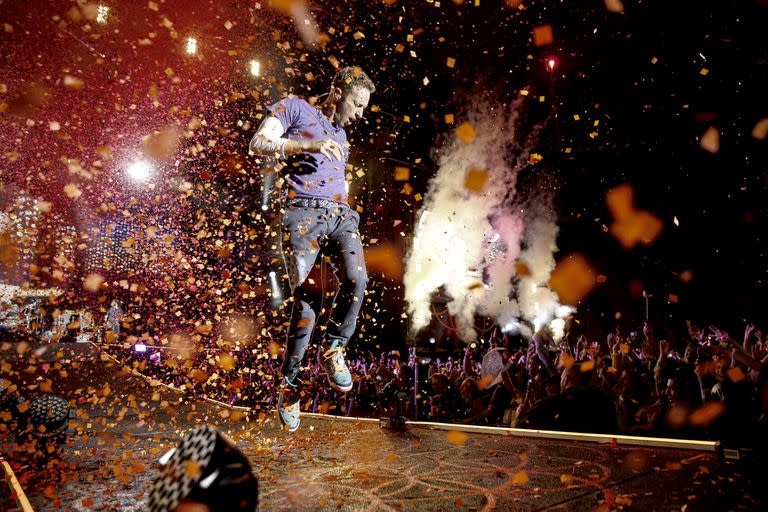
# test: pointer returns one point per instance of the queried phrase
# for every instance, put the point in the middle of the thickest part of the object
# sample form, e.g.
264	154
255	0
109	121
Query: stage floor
123	425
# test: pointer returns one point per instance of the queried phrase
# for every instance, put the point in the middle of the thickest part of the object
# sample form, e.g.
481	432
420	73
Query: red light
551	63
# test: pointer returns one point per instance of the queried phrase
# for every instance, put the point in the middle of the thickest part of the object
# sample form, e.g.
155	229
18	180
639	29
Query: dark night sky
638	73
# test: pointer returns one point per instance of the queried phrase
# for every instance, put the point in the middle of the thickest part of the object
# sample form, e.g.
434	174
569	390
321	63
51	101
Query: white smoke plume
538	304
468	242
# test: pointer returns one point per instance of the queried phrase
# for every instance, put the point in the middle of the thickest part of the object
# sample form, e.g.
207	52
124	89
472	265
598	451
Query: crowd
706	386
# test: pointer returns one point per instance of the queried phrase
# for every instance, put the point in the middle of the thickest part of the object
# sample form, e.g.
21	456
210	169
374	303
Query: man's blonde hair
352	76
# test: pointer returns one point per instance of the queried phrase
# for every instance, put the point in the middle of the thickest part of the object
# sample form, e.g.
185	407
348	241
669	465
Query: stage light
255	67
264	207
139	170
140	347
432	340
44	428
49	415
206	469
551	63
277	293
102	11
191	45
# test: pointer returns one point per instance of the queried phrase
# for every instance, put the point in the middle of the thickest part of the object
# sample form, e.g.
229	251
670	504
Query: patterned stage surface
122	425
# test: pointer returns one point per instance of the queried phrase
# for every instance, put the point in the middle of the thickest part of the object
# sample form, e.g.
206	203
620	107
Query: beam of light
102	11
139	171
255	67
277	293
191	45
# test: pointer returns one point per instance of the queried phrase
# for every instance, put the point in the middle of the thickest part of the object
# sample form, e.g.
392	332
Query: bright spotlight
139	171
102	11
551	63
264	207
277	292
140	347
255	67
191	45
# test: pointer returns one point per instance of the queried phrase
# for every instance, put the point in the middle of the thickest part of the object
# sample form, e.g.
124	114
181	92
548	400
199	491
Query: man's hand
328	147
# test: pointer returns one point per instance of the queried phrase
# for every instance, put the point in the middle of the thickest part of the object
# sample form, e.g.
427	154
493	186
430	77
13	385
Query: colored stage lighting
139	171
551	63
191	45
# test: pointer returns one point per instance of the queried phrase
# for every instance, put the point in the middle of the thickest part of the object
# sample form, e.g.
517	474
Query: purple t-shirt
311	175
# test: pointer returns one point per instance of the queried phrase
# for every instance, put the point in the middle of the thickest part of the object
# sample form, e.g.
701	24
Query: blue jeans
306	232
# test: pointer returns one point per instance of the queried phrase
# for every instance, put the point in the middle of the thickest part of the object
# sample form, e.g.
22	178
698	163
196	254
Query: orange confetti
93	282
476	180
456	437
706	414
521	269
484	382
736	374
402	173
542	35
192	468
72	191
760	131
572	279
226	362
710	141
387	259
466	132
161	145
71	82
631	226
520	478
614	6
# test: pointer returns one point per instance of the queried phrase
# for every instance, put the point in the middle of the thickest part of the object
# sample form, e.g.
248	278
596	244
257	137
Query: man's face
352	104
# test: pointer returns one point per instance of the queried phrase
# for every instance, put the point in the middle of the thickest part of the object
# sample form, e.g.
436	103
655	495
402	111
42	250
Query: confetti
72	191
456	437
710	141
572	279
466	132
542	35
476	180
